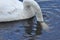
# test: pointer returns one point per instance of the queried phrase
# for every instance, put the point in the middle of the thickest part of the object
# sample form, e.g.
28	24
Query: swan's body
11	10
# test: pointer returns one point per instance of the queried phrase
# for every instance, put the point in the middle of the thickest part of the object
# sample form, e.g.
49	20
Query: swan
11	10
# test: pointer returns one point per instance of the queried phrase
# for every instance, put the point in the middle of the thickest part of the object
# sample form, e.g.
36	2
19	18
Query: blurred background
51	14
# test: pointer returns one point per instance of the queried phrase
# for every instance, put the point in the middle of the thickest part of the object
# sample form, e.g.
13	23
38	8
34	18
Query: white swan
11	10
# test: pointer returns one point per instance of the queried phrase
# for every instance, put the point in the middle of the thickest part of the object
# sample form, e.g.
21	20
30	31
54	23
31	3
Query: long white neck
36	8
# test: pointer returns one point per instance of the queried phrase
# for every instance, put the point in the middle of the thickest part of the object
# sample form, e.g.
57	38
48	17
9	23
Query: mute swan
11	10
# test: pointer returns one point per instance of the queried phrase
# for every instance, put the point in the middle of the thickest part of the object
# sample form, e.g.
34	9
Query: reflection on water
37	30
32	33
24	30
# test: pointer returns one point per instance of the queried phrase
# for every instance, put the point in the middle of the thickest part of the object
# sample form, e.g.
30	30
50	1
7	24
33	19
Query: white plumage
11	10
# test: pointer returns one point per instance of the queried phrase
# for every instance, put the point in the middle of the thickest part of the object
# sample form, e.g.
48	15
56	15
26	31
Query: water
51	13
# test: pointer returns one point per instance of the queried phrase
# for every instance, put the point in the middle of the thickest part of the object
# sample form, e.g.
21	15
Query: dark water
51	13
